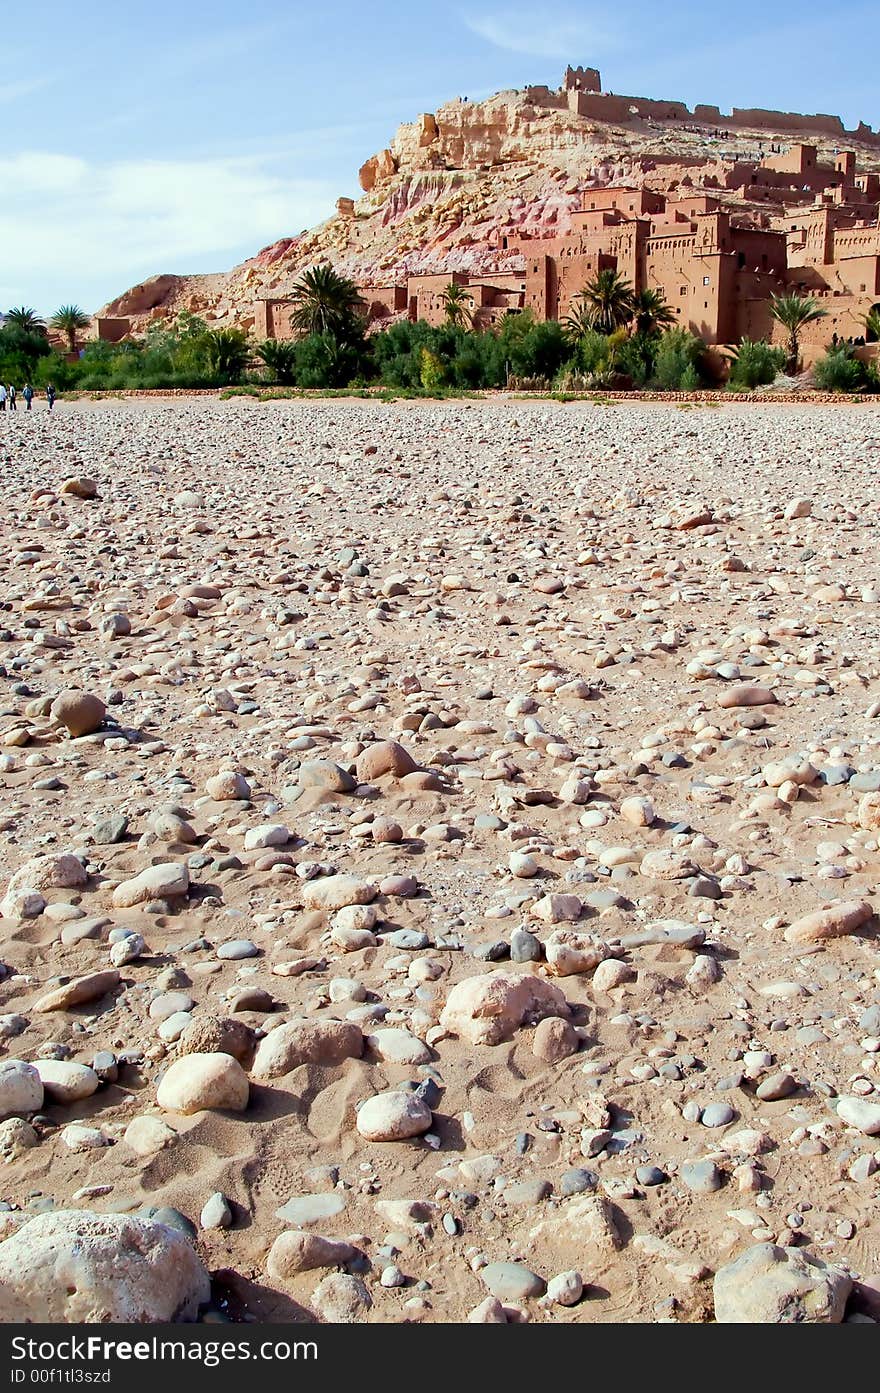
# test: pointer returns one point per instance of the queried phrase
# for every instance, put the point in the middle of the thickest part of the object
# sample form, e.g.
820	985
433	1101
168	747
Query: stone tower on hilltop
582	80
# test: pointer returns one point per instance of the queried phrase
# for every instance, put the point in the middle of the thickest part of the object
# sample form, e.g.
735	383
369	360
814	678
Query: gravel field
438	862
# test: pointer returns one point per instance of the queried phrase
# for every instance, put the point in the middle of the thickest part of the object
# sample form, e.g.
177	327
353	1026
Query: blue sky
182	135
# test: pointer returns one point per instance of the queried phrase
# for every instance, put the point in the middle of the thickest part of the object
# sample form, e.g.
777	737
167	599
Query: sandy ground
562	614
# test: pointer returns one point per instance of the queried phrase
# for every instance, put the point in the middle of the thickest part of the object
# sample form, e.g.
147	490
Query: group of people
9	396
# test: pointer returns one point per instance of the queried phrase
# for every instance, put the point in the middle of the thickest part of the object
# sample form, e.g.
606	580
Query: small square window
705	280
683	290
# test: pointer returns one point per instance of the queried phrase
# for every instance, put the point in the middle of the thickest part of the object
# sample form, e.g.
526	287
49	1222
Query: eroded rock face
488	1009
768	1285
74	1267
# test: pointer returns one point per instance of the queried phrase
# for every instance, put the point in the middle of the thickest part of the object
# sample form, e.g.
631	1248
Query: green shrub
279	356
690	379
754	364
227	353
679	354
321	361
591	353
840	371
637	357
20	351
524	348
431	374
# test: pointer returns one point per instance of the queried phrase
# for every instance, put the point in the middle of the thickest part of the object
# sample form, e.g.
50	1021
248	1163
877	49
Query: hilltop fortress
523	197
582	91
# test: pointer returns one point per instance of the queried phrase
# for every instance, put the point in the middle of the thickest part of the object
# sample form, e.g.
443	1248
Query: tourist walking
50	395
13	395
2	397
28	395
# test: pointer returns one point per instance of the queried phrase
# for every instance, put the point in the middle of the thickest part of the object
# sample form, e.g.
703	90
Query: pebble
393	1117
511	1281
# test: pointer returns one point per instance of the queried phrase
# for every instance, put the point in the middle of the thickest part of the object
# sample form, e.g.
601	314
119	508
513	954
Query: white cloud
25	87
98	228
546	34
35	171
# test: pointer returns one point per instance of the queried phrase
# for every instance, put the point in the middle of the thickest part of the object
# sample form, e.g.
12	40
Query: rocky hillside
454	184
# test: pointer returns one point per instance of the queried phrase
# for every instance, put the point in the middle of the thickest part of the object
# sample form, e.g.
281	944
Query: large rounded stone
81	712
307	1042
298	1251
861	1113
21	1088
337	891
65	1081
398	1046
203	1081
216	1035
228	787
487	1009
768	1285
512	1281
554	1040
393	1117
75	1267
64	872
341	1298
78	992
385	757
146	1135
163	882
324	773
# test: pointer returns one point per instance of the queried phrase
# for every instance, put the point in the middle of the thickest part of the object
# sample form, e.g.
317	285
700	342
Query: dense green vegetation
755	363
841	371
613	338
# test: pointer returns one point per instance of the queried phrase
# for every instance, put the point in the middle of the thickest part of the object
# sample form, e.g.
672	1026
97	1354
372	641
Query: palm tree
25	319
578	321
871	322
651	311
325	303
228	352
793	311
458	306
68	321
279	355
609	299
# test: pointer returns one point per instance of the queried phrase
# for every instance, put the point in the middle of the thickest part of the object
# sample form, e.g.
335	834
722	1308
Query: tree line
612	338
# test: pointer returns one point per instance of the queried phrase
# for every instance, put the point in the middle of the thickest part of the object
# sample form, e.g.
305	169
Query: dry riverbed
438	860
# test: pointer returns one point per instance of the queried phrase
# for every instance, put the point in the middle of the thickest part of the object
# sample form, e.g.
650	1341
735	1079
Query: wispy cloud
126	219
25	87
209	52
553	33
